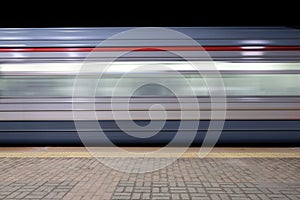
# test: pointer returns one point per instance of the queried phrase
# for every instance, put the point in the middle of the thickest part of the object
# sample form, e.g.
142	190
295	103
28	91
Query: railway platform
75	173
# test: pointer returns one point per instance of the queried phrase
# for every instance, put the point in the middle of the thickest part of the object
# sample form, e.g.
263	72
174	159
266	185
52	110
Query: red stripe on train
169	48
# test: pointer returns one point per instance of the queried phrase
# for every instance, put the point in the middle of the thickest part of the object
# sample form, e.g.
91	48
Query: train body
259	70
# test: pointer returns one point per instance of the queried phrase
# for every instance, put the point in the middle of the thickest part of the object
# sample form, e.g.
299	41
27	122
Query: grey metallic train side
262	87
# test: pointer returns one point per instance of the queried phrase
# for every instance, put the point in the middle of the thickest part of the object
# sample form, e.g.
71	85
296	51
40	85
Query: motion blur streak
260	68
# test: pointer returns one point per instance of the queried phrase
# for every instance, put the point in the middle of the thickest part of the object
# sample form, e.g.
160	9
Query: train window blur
268	79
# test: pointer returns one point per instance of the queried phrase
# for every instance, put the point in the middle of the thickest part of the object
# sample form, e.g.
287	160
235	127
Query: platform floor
226	173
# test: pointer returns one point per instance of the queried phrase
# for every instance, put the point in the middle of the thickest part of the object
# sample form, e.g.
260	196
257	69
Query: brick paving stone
184	196
175	196
186	178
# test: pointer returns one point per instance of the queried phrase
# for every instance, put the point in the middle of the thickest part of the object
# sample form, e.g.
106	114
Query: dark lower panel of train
63	133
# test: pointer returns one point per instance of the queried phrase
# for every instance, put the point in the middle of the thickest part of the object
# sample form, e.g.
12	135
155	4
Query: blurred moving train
260	69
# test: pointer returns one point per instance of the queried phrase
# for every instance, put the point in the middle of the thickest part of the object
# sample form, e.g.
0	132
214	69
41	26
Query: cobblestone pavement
186	178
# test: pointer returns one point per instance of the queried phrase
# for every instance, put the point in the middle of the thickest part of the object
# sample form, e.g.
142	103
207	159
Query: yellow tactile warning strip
145	155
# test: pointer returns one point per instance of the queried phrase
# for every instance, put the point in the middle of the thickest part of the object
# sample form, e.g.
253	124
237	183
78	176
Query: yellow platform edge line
146	155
